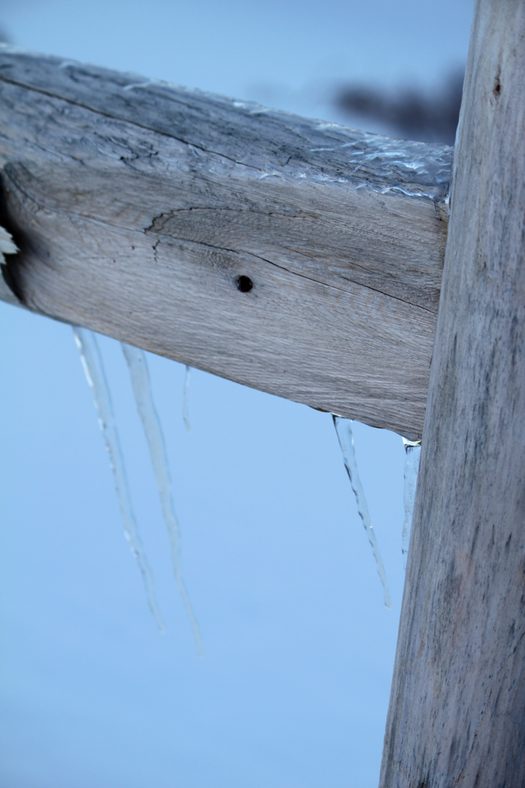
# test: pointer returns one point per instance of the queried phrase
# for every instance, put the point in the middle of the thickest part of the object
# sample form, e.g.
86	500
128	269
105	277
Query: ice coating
410	474
293	147
141	384
323	151
240	136
343	428
94	371
301	148
385	164
137	85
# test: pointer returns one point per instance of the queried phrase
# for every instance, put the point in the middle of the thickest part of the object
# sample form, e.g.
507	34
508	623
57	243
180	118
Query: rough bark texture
457	712
137	206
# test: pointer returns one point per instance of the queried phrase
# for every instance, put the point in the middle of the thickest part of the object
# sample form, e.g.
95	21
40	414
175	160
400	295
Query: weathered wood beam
138	206
457	710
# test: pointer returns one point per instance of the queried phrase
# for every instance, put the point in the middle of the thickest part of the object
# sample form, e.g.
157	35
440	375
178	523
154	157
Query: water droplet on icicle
410	473
94	371
141	384
343	428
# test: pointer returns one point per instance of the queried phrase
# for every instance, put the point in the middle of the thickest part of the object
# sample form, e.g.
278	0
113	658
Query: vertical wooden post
457	710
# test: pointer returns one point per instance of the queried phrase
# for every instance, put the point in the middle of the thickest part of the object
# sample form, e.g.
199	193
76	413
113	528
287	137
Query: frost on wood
93	366
141	384
412	456
343	428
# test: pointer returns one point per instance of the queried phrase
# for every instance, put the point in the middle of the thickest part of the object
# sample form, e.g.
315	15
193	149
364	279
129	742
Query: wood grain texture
138	205
457	711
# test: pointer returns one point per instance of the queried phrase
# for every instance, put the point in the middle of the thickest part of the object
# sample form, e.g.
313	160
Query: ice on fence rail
343	428
94	371
412	456
141	384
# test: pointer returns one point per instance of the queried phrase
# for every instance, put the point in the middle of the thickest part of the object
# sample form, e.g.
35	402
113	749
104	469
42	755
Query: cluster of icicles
136	362
95	373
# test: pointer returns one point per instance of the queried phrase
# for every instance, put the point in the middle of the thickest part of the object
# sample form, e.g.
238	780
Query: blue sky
292	688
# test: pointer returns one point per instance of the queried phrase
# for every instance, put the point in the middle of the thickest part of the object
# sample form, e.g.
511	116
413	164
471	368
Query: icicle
412	455
186	398
93	366
140	381
343	428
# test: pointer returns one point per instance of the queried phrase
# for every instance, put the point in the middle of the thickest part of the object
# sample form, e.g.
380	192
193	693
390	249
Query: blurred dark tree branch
431	116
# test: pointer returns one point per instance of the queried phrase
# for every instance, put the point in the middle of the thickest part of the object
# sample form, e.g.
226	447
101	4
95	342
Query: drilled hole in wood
244	283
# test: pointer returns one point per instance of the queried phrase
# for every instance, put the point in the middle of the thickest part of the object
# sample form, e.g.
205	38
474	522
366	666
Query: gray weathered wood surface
138	205
457	712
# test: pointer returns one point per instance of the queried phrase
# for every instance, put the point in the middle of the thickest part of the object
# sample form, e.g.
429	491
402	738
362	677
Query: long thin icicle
94	371
412	456
141	384
343	428
186	398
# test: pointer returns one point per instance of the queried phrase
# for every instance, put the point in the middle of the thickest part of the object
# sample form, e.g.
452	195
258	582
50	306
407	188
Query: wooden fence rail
298	257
